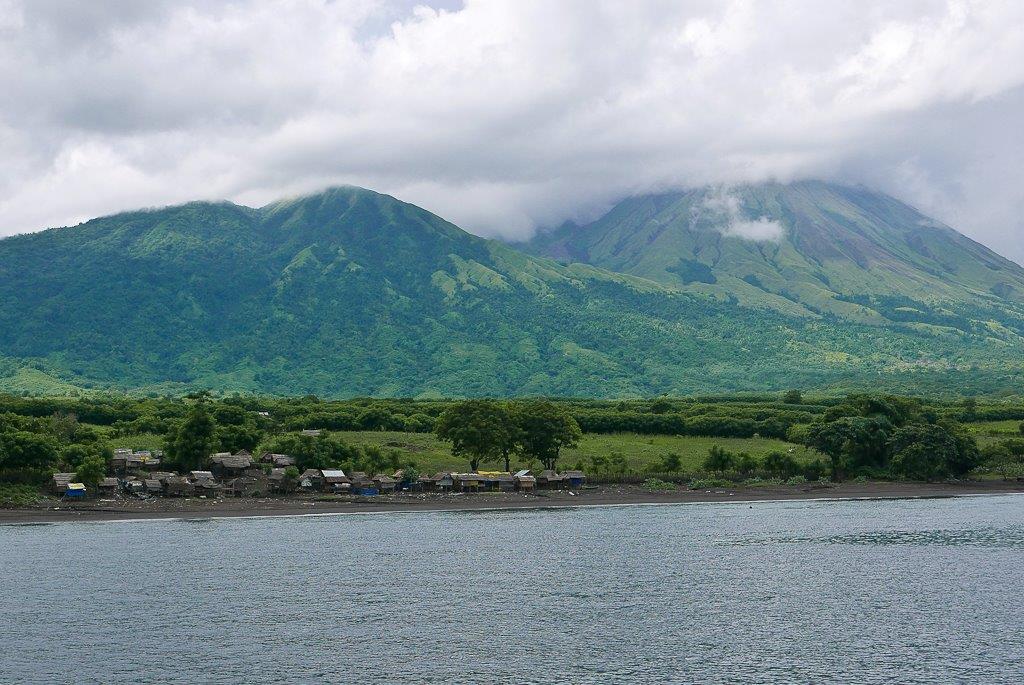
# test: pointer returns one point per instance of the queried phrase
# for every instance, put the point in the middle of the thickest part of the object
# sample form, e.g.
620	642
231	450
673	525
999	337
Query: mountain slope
804	248
349	292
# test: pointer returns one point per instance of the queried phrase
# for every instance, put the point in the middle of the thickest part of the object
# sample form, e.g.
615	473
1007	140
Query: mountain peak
808	247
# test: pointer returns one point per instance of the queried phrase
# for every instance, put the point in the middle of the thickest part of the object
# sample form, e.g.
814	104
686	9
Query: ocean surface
913	591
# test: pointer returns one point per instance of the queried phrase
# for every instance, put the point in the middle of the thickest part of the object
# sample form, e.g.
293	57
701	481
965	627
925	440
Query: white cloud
504	114
729	216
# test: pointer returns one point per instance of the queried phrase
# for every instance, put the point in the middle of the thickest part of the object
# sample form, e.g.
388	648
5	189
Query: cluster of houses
243	475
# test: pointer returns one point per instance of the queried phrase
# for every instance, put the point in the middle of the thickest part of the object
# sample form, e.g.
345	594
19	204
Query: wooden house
574	479
525	481
59	482
506	482
467	482
384	483
179	486
311	479
248	486
549	479
109	485
277	460
153	486
227	466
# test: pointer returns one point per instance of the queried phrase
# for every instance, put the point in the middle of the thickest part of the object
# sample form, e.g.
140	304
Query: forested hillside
353	293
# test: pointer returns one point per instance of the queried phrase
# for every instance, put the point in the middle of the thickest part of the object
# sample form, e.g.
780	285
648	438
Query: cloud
729	217
503	115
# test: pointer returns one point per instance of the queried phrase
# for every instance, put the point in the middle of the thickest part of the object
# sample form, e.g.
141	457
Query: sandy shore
192	508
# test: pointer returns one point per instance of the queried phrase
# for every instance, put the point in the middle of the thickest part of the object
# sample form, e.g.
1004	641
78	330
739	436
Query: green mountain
806	249
349	292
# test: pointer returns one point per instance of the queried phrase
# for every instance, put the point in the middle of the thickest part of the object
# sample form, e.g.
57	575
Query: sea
851	592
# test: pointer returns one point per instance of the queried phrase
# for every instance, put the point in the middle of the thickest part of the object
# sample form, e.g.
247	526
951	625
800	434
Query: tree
24	450
660	406
780	465
670	463
193	440
719	460
324	451
923	452
479	430
544	429
793	397
91	471
851	443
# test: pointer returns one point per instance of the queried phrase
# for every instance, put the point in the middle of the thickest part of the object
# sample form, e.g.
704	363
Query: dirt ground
54	510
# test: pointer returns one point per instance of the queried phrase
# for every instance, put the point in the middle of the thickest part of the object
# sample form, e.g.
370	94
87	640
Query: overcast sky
502	115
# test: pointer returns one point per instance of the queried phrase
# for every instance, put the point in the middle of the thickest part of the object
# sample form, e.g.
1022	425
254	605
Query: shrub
657	484
719	460
796	480
780	465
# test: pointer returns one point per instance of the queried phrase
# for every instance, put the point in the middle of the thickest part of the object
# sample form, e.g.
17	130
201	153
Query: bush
780	465
18	495
719	460
657	484
796	480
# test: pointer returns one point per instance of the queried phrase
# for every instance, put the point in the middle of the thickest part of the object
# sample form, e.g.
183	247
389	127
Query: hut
196	476
119	462
574	479
179	486
59	482
109	485
311	479
444	481
525	481
506	482
280	482
75	491
248	486
549	479
384	483
426	482
153	486
277	460
207	487
333	478
226	465
363	485
467	482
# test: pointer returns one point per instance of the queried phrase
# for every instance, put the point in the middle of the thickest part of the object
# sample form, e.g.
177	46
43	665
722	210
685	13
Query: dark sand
608	495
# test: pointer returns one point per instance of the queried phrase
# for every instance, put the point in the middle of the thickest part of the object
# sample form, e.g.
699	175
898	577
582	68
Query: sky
507	115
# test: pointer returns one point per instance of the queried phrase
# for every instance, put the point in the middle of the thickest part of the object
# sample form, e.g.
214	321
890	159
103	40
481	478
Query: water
920	591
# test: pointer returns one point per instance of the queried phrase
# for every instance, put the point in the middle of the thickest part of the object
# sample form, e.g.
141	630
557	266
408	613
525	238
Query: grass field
641	451
987	432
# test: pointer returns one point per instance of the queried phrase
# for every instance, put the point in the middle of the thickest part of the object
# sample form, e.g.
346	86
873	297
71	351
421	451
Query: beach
604	495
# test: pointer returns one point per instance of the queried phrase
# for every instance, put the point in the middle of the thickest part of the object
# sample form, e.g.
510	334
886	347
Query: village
138	474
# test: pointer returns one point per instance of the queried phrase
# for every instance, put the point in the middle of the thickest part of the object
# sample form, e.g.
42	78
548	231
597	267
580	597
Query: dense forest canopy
351	293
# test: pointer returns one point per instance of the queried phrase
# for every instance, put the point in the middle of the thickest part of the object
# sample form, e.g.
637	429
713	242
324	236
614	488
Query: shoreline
608	495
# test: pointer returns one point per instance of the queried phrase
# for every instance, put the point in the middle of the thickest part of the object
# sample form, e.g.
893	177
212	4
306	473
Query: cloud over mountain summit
508	114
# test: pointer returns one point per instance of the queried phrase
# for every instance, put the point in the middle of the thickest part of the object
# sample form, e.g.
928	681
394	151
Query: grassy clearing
19	495
987	432
641	451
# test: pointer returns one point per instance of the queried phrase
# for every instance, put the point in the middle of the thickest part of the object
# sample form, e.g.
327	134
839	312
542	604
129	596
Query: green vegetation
351	293
872	436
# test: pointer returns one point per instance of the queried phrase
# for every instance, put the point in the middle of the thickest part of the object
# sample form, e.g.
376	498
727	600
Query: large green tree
479	430
194	439
852	443
544	429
